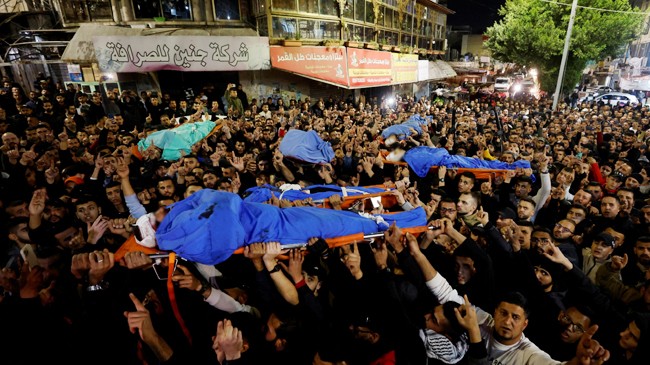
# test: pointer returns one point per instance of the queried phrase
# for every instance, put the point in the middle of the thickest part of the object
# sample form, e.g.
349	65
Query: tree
531	33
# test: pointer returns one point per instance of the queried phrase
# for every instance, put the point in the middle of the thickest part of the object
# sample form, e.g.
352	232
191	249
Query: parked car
615	98
502	83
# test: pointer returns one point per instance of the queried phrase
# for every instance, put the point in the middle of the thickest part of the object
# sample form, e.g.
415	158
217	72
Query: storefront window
309	29
330	30
169	9
406	40
77	11
284	4
370	13
227	9
284	28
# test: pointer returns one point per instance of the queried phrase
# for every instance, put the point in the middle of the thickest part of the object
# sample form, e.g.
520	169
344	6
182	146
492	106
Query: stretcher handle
346	240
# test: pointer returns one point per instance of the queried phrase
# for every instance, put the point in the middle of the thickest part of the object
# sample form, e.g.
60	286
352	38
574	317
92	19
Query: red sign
322	63
369	68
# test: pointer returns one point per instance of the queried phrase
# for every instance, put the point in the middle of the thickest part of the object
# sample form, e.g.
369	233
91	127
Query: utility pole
565	54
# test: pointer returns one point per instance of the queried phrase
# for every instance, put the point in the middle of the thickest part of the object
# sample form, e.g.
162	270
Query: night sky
480	14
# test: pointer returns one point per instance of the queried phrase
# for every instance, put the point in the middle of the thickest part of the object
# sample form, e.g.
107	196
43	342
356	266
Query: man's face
563	230
466	204
88	212
240	147
32	135
522	189
114	195
465	269
190	163
574	324
576	214
630	337
509	323
627	200
192	189
465	184
437	321
166	188
600	250
525	210
183	104
612	183
19	210
10	140
209	180
609	207
582	197
542	242
642	252
524	237
646	214
64	237
596	192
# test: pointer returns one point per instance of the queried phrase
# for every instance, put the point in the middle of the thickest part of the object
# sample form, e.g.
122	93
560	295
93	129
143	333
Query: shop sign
321	63
405	68
181	53
368	68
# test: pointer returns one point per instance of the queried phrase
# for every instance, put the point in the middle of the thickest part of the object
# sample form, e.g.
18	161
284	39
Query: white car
502	84
617	99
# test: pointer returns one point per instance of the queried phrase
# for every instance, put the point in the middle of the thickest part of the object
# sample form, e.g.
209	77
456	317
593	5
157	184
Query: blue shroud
181	138
421	159
403	130
209	225
306	146
260	194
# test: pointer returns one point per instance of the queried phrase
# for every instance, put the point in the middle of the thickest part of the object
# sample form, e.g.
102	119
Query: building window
227	9
263	26
78	11
168	9
284	28
284	4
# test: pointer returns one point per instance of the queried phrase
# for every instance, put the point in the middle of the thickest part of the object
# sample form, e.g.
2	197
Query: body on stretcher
481	174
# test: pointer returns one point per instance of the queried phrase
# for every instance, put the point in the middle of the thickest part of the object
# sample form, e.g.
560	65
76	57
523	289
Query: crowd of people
529	266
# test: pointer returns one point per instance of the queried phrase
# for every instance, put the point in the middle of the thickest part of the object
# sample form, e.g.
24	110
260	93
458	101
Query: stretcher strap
172	297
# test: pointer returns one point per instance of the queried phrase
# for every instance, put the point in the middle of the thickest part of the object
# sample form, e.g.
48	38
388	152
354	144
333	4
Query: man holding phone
234	105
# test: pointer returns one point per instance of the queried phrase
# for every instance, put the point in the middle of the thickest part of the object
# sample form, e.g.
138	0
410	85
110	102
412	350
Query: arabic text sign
405	68
369	68
323	63
181	53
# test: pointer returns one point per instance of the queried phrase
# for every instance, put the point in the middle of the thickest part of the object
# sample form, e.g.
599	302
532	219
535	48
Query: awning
444	71
82	50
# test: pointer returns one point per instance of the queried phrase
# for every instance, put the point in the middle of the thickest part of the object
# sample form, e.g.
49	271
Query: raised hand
37	204
466	316
618	262
352	260
96	229
590	351
140	321
228	343
380	252
482	216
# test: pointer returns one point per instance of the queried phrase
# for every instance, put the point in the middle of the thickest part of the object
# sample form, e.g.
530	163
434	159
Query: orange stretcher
388	200
481	174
